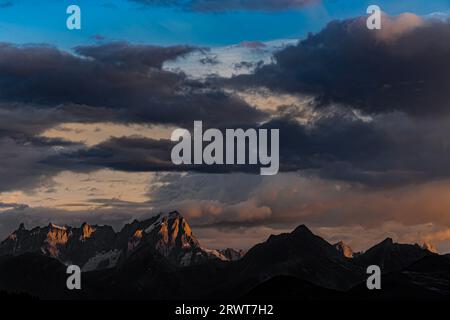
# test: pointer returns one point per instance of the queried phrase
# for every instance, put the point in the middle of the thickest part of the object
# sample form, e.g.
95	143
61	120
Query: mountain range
94	247
160	258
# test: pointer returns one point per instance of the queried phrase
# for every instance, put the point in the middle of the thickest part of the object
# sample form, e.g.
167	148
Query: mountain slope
300	254
390	256
290	288
426	279
34	274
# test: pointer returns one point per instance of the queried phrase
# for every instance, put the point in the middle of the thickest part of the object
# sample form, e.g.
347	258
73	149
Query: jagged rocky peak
56	237
171	231
302	229
344	249
301	232
14	235
86	231
388	242
430	247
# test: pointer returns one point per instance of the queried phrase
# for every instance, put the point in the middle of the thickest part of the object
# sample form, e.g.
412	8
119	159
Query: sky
86	116
24	21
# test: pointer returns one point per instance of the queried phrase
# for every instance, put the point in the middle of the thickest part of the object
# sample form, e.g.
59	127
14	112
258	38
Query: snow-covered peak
161	218
54	226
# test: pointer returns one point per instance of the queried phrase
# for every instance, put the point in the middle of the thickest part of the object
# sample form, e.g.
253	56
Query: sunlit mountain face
91	95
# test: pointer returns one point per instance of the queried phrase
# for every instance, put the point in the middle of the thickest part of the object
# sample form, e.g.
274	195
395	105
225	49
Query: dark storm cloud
22	149
22	120
344	63
402	67
53	76
231	5
390	150
122	54
28	120
132	154
42	87
125	154
21	162
120	82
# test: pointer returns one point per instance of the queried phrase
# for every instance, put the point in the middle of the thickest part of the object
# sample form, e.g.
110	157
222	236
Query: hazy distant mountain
391	256
232	254
160	258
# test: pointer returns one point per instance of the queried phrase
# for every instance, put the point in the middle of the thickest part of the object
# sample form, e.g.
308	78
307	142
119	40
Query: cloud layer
118	82
402	67
369	150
